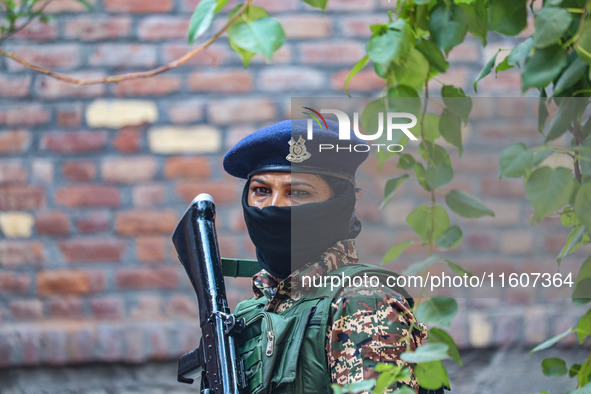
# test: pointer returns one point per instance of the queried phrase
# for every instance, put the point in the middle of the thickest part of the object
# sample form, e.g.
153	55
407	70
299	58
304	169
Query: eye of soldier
261	190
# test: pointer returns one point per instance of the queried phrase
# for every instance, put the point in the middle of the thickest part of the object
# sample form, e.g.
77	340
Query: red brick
74	142
128	140
343	52
468	51
52	223
479	241
14	141
51	56
88	196
21	197
70	116
50	88
107	308
154	86
507	187
11	282
553	243
141	222
306	26
222	192
93	222
147	278
92	250
148	195
12	173
129	170
186	111
123	55
87	28
187	167
150	249
67	6
26	310
227	81
24	115
290	78
66	308
14	86
147	308
181	305
17	253
365	81
79	170
457	76
349	5
508	83
160	28
214	55
37	31
517	108
241	110
139	6
480	162
63	282
358	26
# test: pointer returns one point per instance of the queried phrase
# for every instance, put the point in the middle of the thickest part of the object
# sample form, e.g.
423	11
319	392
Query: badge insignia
297	151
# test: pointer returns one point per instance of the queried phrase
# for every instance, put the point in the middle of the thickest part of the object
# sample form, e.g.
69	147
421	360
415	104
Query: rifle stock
195	241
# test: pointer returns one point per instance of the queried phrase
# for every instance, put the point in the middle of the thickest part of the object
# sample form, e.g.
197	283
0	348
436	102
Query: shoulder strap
240	268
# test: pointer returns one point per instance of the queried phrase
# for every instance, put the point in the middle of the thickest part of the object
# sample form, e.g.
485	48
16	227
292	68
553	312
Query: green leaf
583	47
386	47
477	16
504	65
520	52
262	36
540	156
431	375
356	387
568	217
574	370
583	328
451	238
428	222
549	189
420	173
542	110
450	128
570	76
467	205
412	70
582	204
551	341
568	111
354	71
201	19
515	161
437	311
395	251
89	7
419	267
582	290
486	69
389	374
542	67
439	175
456	101
550	24
437	335
430	128
317	3
458	269
426	353
403	98
433	153
245	55
433	55
554	367
508	17
404	390
573	241
448	26
220	5
405	161
391	186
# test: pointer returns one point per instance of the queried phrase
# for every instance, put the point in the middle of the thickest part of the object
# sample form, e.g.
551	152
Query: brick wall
93	179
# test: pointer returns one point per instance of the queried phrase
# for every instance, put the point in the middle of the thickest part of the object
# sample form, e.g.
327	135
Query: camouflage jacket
359	334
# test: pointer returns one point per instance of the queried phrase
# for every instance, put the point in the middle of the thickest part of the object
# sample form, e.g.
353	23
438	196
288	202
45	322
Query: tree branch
27	22
129	76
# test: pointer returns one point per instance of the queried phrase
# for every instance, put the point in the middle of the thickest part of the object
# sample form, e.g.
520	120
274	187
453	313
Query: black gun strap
240	268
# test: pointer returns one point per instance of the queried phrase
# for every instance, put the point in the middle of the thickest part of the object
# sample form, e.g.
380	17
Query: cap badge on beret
297	151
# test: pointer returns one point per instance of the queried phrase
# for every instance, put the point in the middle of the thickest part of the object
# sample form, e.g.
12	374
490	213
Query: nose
279	199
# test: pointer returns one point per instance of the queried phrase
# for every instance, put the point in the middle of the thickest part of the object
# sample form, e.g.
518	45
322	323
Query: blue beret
285	147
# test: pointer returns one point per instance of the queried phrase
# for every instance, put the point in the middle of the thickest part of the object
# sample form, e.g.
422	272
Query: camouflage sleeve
367	329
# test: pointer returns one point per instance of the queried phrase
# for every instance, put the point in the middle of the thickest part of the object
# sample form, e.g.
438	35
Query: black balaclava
288	237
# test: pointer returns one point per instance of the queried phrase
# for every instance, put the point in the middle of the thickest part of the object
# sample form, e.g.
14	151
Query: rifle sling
240	268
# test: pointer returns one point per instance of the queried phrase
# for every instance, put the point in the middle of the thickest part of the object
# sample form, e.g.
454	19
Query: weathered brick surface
14	141
138	6
143	222
129	170
92	250
74	142
63	282
88	196
18	253
25	197
78	171
147	278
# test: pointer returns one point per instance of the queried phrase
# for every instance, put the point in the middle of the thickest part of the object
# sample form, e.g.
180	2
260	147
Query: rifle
195	241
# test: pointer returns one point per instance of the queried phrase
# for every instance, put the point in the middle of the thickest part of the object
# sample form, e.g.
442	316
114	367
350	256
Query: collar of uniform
340	254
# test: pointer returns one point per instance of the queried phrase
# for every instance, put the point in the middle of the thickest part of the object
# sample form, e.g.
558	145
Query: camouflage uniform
360	333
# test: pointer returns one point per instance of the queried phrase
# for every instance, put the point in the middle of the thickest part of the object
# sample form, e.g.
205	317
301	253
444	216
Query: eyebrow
292	184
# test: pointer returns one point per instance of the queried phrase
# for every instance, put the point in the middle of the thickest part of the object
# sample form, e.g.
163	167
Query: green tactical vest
285	352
